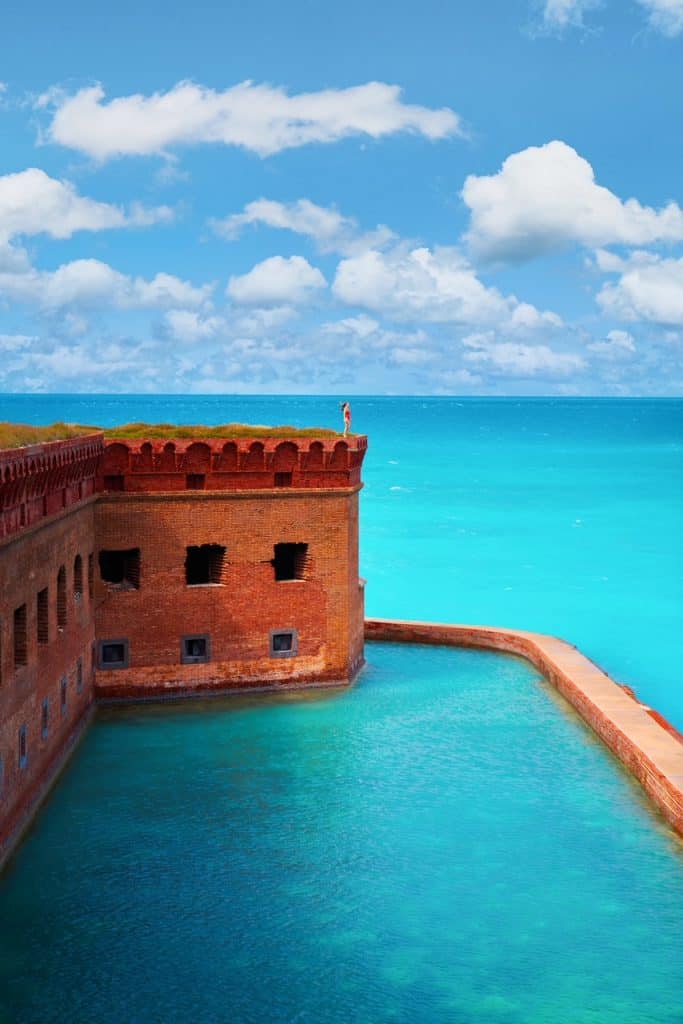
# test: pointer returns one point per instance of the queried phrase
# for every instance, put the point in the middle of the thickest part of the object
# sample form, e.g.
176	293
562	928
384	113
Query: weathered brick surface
325	608
42	479
246	464
29	563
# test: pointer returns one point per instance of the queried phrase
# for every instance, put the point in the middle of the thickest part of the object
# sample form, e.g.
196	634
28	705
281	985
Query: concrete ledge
644	742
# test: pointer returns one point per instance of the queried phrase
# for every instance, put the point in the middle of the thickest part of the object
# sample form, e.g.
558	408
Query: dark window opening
45	719
121	569
195	481
62	694
204	564
24	748
194	650
114	482
42	624
290	561
78	577
79	676
283	479
91	576
283	643
20	639
61	599
114	654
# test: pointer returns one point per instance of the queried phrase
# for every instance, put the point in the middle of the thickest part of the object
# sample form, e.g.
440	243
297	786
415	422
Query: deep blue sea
444	843
558	515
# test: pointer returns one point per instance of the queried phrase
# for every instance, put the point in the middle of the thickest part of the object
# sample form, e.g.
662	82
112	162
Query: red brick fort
133	569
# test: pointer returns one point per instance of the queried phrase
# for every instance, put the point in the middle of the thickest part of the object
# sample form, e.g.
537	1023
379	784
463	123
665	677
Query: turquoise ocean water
445	842
558	515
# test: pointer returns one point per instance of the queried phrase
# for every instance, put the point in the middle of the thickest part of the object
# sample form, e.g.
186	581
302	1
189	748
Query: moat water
444	842
558	515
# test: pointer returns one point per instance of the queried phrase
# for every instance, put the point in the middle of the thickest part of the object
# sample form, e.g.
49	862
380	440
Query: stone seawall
644	742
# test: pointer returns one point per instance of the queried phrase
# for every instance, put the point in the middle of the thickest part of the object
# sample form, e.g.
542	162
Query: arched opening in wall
78	577
42	623
20	638
204	564
290	561
61	599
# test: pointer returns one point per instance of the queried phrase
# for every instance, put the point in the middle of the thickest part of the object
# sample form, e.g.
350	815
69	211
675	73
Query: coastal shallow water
443	842
562	516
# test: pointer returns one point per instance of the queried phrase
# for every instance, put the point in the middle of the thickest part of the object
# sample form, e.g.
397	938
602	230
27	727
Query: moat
445	841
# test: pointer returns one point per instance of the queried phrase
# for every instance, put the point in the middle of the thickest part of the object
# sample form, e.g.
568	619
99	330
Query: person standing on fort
346	412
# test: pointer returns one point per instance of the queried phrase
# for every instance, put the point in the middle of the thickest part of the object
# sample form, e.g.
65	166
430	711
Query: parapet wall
42	479
215	464
645	743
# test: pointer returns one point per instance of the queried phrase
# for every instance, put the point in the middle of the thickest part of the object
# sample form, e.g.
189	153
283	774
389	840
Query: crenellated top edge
44	455
250	462
354	442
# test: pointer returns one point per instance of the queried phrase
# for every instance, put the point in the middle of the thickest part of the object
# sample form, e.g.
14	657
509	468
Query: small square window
204	564
195	650
283	643
290	561
121	569
195	481
114	482
113	654
283	479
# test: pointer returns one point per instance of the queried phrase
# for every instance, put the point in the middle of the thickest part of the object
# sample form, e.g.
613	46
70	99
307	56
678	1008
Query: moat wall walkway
643	741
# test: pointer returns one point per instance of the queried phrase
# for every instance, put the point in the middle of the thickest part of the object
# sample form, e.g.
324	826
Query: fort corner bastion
145	566
140	568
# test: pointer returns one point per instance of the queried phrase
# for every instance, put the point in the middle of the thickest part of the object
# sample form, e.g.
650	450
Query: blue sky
438	198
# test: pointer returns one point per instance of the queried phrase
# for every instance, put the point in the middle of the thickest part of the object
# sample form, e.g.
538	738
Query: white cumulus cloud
545	197
649	288
277	281
190	327
326	226
92	284
557	15
32	203
16	342
430	285
514	359
258	117
666	16
616	346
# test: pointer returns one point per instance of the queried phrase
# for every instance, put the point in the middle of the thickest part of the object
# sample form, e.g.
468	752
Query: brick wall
239	613
30	563
63	503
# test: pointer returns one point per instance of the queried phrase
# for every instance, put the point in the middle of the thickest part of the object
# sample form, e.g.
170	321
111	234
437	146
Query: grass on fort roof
16	435
226	430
